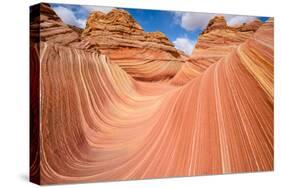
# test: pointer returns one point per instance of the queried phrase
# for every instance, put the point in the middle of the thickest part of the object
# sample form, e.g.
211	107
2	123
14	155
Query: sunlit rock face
143	55
100	121
216	23
47	26
215	42
218	39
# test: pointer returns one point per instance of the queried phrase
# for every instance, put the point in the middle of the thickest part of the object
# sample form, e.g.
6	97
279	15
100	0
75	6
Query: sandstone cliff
144	55
216	41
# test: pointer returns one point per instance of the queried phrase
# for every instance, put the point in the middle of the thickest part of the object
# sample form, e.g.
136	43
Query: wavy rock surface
215	42
99	123
144	55
113	127
218	40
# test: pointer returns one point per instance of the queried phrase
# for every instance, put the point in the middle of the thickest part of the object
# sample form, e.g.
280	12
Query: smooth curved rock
99	123
114	127
215	42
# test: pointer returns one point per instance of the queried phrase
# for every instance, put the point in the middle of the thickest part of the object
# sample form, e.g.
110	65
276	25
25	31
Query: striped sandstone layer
215	42
112	127
98	123
45	25
146	56
218	39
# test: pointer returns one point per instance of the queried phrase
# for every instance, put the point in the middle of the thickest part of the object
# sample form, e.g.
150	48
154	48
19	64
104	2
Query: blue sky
182	28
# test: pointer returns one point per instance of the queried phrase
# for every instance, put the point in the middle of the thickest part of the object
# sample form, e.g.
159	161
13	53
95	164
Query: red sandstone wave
100	123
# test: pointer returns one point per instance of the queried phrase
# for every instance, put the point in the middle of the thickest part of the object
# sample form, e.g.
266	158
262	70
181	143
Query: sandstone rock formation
216	23
215	42
47	26
218	39
99	122
144	55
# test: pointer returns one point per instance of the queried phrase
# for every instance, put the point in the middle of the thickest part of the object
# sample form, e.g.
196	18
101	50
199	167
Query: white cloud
90	8
238	20
193	21
68	16
184	44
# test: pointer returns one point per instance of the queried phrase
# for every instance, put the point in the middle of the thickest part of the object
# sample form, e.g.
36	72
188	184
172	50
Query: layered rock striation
216	41
45	25
144	55
100	122
115	128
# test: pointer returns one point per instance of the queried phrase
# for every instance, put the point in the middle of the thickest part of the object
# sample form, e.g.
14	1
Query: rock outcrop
118	29
251	26
45	25
216	23
144	55
216	41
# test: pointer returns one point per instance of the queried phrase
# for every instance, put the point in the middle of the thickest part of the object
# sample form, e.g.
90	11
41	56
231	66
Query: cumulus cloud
237	20
90	8
68	16
184	44
193	21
